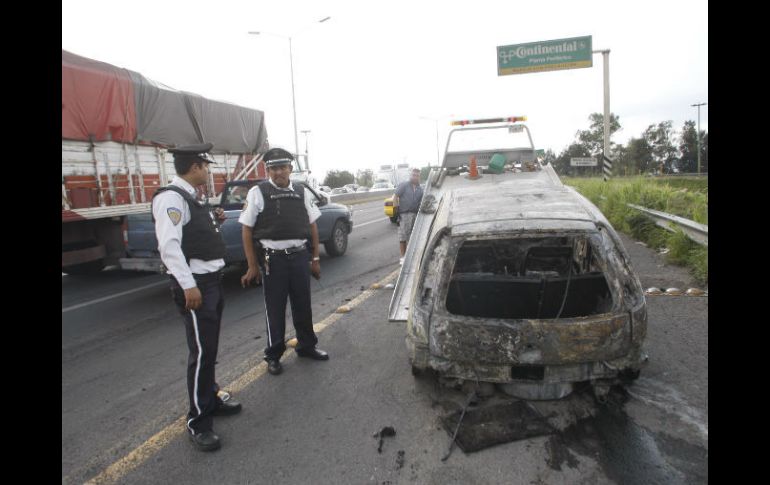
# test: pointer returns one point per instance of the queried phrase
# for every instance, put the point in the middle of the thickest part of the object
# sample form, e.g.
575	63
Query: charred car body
513	278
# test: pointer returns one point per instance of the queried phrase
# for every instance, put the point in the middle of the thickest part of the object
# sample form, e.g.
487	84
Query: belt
202	277
293	250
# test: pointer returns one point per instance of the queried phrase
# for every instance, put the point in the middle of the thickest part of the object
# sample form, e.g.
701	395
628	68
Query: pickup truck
334	225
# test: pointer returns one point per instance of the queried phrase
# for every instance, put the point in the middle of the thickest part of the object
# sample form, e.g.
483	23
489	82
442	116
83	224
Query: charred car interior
528	278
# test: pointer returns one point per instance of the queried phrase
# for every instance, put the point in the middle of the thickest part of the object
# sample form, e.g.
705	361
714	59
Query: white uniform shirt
171	214
255	204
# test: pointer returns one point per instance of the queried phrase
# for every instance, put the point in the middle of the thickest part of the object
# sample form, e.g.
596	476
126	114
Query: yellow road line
155	443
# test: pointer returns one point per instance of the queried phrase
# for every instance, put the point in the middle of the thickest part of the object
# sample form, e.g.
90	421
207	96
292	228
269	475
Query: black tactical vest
201	238
284	215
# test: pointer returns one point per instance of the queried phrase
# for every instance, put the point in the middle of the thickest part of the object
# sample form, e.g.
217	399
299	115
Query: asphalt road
123	367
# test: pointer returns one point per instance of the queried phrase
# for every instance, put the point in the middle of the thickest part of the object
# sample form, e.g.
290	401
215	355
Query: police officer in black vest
192	249
278	219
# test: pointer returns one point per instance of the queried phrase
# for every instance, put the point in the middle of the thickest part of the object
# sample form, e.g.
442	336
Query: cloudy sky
367	78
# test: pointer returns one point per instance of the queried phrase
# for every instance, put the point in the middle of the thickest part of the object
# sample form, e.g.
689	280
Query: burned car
511	277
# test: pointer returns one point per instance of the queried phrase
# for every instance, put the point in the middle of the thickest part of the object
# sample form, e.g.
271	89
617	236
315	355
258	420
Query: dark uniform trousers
202	329
289	276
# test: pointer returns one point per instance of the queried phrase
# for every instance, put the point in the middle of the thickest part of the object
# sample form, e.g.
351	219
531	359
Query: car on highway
391	211
362	189
351	187
340	190
334	226
515	279
382	186
325	189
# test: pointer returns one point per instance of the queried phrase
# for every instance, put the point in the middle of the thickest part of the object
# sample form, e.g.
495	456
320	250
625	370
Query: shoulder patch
174	214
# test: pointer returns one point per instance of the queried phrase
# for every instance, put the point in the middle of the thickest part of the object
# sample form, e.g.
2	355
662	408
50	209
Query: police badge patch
174	214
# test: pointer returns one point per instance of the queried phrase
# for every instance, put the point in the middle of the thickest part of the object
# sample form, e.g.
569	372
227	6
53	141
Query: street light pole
291	66
307	159
294	103
698	134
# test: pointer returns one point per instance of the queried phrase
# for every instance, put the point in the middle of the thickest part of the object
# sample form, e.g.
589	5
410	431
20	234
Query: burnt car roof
511	202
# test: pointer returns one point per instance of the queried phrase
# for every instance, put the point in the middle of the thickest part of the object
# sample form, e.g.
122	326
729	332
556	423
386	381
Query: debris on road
471	398
384	432
292	342
494	425
695	292
400	459
390	286
376	286
343	309
653	291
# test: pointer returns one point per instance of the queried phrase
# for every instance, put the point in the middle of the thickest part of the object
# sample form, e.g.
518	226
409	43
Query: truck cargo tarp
170	117
161	114
157	114
227	125
97	100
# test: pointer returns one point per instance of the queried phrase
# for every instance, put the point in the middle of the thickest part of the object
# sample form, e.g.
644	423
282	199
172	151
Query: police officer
192	249
278	218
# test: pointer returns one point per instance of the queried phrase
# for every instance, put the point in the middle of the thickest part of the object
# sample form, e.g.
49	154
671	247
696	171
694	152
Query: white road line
370	222
110	297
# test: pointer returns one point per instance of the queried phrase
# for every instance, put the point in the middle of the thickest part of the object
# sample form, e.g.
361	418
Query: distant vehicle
334	225
386	173
363	189
390	211
340	190
382	186
393	174
351	187
325	188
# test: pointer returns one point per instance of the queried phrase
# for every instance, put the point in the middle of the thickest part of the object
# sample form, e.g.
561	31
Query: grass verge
684	197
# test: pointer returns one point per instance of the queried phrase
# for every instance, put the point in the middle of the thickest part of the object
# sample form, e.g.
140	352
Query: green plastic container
497	163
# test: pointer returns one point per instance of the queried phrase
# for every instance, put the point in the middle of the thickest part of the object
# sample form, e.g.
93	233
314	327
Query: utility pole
607	163
698	134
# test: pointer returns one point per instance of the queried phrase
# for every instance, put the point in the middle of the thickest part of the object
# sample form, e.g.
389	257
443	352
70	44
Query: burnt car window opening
528	278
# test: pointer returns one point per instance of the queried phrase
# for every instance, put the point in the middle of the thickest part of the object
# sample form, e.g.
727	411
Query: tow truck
512	278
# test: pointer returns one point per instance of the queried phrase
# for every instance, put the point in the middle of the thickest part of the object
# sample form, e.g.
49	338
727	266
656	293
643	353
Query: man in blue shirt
407	201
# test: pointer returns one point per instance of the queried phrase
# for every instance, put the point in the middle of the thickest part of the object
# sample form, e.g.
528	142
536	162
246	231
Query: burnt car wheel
338	243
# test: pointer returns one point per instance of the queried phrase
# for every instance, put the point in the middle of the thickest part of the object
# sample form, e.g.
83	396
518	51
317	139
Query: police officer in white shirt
280	217
192	249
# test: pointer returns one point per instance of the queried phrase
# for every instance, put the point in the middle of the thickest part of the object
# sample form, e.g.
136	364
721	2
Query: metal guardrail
694	230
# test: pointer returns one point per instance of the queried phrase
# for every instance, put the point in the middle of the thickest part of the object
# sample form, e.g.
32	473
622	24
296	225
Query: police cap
277	156
194	152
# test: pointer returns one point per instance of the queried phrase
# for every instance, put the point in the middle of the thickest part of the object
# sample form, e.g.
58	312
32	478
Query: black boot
206	440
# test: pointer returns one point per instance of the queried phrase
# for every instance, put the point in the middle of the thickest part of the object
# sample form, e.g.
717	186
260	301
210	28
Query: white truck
395	174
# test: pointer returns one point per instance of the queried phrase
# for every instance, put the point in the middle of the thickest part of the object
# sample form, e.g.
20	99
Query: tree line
659	149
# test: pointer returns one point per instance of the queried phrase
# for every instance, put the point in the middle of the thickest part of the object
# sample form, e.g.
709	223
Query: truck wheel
91	267
338	243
